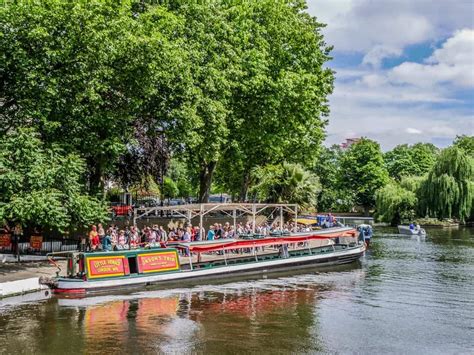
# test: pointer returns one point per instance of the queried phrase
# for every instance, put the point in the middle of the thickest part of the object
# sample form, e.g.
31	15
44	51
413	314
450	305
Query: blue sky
404	69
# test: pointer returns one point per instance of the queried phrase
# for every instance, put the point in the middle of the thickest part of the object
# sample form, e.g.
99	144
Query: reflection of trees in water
40	328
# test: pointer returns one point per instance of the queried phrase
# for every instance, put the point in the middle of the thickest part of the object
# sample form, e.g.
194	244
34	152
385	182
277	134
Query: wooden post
281	219
203	237
254	212
234	216
189	217
296	218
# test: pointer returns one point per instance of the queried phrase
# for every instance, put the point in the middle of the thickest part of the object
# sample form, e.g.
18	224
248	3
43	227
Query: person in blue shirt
210	233
107	242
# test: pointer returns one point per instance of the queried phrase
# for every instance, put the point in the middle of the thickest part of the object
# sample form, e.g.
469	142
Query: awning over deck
242	244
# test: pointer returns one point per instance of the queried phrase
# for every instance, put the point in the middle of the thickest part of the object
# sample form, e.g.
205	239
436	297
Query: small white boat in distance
406	230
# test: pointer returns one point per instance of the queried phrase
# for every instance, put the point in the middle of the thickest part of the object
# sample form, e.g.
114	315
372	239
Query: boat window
132	264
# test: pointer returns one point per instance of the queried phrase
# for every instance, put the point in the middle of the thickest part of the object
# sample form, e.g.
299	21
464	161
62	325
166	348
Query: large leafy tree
405	160
279	104
213	65
333	195
448	192
42	186
363	172
82	73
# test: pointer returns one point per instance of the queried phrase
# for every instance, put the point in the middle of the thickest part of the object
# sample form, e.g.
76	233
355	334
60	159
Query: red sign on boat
5	240
107	266
160	261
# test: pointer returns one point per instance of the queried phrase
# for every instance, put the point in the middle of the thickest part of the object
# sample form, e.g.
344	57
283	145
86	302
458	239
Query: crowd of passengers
113	238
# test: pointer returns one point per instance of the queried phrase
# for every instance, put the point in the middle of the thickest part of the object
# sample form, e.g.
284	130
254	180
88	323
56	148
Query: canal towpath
23	277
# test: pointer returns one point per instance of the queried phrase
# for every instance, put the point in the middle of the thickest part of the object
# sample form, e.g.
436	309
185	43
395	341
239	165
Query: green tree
448	192
82	73
333	196
286	183
395	204
363	172
170	189
213	66
278	106
405	160
184	179
465	143
42	186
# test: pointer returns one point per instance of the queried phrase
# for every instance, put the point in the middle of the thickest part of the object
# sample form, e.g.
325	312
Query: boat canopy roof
238	244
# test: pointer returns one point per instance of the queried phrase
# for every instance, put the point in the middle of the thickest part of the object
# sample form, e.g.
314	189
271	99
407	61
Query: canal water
406	296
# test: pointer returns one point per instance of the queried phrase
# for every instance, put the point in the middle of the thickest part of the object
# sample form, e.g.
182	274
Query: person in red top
94	239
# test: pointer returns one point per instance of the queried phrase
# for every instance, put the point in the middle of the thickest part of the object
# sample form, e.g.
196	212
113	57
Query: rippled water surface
407	295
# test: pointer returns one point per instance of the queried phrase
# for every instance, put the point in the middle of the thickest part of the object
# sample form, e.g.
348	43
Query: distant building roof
349	142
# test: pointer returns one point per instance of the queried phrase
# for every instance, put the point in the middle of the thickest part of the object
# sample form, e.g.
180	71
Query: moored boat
101	271
406	230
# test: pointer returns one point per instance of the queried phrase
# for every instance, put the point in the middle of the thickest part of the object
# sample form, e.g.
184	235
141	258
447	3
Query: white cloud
379	52
360	25
411	130
414	101
459	49
453	63
367	103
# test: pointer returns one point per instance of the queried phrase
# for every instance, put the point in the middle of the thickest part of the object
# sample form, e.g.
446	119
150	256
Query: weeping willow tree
395	204
448	192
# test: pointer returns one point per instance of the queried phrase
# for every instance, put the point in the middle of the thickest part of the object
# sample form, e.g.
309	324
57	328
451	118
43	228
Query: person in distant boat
412	226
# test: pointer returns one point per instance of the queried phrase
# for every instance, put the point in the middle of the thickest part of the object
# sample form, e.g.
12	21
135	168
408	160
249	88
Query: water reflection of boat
110	318
105	270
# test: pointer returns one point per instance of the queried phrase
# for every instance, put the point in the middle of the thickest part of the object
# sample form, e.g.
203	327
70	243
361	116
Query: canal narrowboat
99	271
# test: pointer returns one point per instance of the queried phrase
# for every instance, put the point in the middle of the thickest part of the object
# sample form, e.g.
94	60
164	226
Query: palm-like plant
286	183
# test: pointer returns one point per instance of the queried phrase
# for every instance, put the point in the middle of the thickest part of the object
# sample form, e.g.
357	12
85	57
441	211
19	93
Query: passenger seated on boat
412	226
107	242
134	238
122	241
210	233
163	235
94	238
187	239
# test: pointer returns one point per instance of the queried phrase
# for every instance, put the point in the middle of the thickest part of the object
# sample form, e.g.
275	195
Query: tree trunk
366	211
245	187
205	181
95	178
